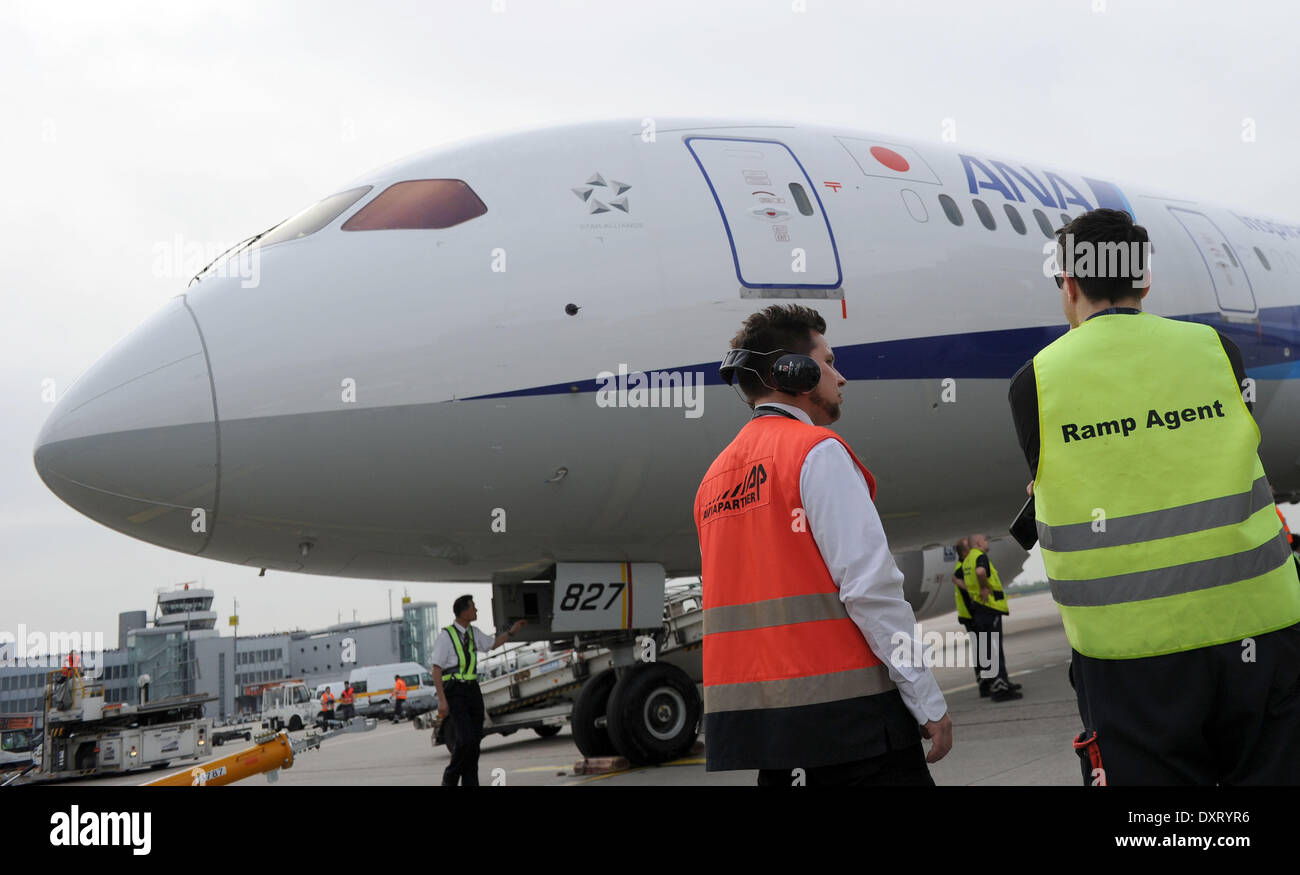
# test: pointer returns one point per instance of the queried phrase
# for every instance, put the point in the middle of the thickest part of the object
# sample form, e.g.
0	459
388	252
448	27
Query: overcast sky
123	125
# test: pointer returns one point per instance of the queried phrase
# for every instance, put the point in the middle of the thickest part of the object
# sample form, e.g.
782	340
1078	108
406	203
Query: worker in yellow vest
988	605
1158	531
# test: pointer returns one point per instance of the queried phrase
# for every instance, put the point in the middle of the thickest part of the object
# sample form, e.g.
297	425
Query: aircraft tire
654	713
592	703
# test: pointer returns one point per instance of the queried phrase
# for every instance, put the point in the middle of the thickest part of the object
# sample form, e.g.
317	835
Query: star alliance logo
612	188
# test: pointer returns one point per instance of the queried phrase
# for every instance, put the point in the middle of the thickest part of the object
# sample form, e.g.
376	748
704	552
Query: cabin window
986	215
801	199
417	204
950	209
1043	225
1013	216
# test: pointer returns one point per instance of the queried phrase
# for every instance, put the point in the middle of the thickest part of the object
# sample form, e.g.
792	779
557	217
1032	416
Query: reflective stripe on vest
466	663
997	598
1157	525
780	650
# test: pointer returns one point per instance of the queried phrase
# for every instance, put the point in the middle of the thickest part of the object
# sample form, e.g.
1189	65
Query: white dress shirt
444	651
844	523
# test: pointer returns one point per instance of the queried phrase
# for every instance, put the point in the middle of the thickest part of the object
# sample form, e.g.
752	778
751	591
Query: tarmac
1022	742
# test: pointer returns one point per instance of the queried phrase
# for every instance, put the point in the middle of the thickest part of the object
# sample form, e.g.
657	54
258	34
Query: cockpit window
315	217
418	204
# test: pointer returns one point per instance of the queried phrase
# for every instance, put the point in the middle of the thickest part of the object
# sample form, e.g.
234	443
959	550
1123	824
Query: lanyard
773	411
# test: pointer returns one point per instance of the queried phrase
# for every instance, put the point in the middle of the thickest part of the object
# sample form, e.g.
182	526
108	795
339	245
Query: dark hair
458	607
1109	252
780	326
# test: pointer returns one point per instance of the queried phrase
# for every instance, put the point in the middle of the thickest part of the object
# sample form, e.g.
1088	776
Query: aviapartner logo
746	493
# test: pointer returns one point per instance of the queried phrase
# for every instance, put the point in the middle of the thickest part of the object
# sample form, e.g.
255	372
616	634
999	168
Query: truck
19	739
288	704
625	666
373	687
84	736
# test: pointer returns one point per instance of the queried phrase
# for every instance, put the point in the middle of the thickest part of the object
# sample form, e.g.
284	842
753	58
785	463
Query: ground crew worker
347	710
805	623
455	674
71	665
961	597
988	605
399	697
1157	527
326	707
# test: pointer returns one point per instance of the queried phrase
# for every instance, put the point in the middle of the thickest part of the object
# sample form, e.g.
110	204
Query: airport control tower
165	651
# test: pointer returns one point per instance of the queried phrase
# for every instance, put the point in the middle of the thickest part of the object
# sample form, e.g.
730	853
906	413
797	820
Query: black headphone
784	371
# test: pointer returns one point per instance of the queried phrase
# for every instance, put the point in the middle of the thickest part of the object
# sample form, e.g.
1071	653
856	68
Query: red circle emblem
890	159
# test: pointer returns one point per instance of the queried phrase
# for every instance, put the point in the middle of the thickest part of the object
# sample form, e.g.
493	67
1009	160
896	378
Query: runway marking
1014	674
559	768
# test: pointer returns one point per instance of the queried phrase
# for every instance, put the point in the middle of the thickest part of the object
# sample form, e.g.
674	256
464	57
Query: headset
787	372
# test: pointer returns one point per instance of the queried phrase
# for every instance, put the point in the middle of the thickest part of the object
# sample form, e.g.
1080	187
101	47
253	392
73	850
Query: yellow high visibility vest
997	598
1155	519
962	611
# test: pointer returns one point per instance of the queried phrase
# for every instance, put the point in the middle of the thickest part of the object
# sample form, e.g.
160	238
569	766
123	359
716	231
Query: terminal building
182	652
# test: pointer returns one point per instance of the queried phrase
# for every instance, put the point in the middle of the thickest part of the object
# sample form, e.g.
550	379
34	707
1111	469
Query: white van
373	686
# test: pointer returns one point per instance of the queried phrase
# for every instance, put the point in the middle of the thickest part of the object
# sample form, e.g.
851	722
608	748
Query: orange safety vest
70	665
789	680
347	696
326	700
399	688
1289	538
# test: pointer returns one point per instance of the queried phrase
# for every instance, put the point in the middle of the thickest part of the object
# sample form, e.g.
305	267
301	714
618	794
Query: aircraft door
779	235
1227	273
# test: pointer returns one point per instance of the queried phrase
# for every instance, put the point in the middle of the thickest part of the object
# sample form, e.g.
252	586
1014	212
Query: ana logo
613	191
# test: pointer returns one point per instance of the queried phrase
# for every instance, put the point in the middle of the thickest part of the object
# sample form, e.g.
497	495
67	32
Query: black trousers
1226	714
904	767
397	709
966	624
465	704
987	626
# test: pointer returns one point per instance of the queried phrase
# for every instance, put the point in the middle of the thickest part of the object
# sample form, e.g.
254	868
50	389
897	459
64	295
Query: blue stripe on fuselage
1267	348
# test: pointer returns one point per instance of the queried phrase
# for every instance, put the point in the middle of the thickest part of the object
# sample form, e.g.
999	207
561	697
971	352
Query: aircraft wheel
592	704
654	713
547	731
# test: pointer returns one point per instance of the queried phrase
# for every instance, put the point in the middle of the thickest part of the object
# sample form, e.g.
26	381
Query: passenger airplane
421	384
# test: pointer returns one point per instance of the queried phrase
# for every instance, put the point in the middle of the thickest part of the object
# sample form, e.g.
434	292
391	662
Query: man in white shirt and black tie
455	674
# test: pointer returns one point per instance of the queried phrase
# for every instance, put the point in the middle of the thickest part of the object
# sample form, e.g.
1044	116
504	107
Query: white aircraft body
424	381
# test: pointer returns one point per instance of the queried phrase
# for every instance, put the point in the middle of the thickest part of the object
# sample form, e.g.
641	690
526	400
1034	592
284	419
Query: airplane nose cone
133	443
